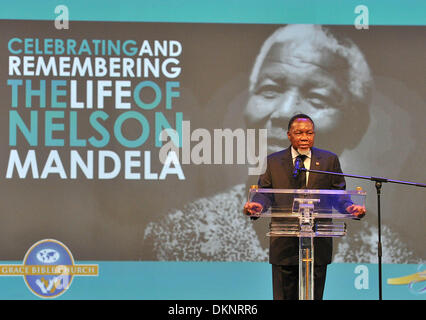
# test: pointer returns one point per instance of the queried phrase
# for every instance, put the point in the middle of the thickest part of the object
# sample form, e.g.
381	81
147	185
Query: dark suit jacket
279	175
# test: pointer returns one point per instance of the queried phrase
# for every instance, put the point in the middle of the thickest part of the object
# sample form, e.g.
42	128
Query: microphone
296	167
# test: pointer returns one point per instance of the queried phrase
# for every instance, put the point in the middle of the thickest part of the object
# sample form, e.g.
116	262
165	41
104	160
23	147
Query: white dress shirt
307	162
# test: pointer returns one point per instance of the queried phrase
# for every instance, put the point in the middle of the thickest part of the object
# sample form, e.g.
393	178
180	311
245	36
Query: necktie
301	181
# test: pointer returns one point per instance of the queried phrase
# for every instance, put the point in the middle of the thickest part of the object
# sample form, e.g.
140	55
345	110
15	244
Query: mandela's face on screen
297	78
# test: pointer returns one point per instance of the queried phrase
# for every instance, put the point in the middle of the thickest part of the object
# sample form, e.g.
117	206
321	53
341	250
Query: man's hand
253	209
356	210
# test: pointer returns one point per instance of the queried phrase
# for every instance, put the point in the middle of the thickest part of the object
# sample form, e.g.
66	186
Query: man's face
298	78
301	135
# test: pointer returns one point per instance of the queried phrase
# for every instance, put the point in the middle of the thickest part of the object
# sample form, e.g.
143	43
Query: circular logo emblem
48	260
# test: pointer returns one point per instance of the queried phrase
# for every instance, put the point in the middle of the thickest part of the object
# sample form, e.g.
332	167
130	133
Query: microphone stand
378	184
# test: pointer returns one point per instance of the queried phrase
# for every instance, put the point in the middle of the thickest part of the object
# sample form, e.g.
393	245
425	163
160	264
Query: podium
306	214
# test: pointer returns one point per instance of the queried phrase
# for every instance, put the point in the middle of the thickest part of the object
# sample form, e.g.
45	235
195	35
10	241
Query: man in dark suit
284	251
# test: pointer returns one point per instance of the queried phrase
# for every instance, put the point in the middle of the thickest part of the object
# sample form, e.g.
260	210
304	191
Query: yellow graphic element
46	285
412	278
39	270
56	284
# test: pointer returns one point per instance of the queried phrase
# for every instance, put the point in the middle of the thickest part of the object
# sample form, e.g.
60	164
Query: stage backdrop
84	103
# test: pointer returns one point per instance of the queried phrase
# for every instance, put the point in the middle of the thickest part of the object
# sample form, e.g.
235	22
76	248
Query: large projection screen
83	109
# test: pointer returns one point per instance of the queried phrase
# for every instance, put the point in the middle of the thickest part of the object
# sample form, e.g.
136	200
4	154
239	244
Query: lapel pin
317	163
